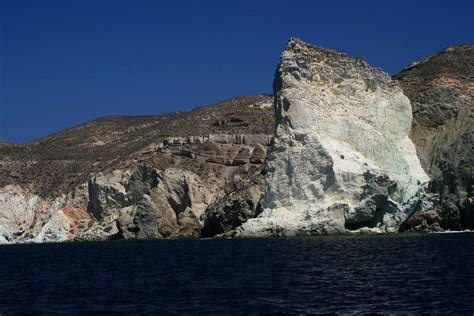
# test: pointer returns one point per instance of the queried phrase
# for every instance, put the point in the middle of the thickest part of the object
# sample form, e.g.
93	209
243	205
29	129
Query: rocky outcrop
145	203
139	177
333	152
234	208
341	159
441	89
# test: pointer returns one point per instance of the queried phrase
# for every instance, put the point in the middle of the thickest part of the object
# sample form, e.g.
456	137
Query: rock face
441	89
342	159
184	174
333	152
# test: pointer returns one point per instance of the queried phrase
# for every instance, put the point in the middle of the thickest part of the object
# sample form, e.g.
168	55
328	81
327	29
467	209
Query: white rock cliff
341	160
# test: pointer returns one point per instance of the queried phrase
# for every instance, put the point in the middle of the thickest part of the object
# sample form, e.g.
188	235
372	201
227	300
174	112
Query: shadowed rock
441	89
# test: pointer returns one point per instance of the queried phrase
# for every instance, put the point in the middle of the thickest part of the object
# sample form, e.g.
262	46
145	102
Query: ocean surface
412	274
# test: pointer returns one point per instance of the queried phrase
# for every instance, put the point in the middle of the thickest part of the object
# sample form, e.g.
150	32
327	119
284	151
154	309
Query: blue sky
66	62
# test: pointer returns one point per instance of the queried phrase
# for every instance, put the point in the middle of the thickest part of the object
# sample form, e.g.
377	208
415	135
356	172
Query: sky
66	62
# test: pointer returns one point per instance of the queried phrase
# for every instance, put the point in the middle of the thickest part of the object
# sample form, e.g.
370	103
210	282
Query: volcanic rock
139	177
441	89
341	159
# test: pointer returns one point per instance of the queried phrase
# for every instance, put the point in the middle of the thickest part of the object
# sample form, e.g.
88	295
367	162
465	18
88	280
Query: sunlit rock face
341	159
178	175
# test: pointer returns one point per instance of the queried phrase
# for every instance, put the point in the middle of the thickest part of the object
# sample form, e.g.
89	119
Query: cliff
342	160
174	175
341	148
441	89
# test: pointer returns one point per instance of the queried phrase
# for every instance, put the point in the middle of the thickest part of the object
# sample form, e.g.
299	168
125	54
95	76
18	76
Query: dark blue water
366	274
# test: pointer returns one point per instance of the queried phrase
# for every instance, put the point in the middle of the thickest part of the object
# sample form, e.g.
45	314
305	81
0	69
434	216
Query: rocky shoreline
340	148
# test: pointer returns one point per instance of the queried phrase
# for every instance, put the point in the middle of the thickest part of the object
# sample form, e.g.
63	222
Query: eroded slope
163	176
441	89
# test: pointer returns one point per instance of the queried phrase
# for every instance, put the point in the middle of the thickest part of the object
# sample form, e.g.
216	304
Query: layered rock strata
184	174
342	160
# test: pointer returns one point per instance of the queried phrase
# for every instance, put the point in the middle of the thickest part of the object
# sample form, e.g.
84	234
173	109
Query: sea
326	275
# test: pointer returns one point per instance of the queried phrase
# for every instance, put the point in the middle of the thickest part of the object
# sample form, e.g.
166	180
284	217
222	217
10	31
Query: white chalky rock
342	159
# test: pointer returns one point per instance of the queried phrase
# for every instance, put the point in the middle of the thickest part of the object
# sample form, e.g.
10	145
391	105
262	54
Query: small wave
454	231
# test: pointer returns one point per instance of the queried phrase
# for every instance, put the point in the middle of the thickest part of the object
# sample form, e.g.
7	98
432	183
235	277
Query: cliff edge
341	160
